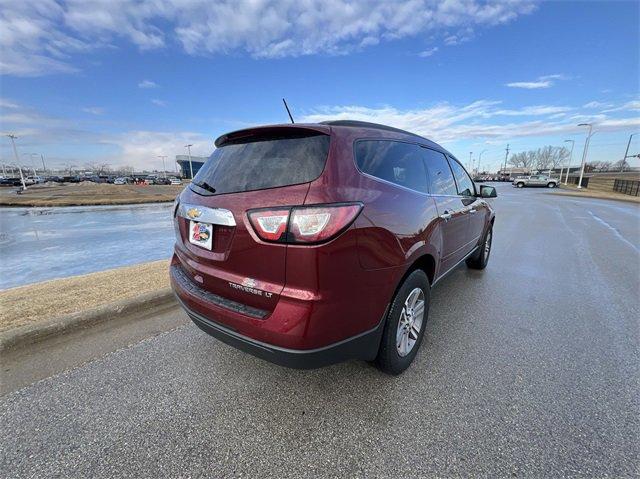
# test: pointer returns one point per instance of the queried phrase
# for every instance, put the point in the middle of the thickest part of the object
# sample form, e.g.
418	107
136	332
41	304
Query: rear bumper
218	317
363	346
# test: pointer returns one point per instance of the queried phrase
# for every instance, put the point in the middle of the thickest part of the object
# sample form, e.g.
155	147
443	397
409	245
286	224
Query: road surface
529	369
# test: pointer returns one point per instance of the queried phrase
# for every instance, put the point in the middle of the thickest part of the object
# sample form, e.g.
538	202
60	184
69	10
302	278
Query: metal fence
627	187
575	179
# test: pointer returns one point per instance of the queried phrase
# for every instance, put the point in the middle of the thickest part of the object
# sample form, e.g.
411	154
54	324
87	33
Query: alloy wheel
410	322
486	250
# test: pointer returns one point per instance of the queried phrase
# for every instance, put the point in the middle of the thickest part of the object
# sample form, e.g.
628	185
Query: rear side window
393	161
262	162
465	185
441	180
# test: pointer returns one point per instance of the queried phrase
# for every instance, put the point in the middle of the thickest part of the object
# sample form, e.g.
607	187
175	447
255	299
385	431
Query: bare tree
515	159
544	157
618	165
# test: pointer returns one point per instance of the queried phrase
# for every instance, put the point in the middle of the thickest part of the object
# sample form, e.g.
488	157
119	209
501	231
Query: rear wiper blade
205	186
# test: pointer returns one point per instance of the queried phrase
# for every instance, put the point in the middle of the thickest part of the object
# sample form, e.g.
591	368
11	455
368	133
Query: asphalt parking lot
529	369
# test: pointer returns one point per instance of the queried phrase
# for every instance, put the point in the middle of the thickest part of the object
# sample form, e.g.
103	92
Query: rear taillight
303	224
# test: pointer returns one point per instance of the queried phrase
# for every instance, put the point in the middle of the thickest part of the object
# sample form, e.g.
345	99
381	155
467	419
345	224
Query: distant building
185	168
514	171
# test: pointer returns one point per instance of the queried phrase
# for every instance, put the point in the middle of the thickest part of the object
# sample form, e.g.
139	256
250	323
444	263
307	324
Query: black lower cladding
363	346
192	288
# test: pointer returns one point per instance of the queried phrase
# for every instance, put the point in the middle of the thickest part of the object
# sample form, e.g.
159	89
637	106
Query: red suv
310	244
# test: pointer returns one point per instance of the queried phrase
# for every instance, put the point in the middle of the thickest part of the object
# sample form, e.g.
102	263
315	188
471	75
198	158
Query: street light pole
626	153
188	147
506	155
471	161
44	167
15	153
164	169
32	164
479	158
566	178
584	153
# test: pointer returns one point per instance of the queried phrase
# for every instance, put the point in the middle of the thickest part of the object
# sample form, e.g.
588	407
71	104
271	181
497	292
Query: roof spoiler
285	130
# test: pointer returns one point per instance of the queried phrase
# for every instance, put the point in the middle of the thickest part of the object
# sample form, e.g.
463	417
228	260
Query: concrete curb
33	333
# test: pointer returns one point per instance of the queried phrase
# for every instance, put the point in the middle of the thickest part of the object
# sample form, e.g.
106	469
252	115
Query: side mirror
488	192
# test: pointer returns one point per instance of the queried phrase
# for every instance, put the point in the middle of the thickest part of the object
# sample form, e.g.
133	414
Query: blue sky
122	83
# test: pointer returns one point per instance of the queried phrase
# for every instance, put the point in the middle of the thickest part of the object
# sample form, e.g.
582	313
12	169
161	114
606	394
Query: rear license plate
201	234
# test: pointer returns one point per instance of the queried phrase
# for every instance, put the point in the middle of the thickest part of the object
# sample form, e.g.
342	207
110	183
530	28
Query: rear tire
480	259
520	185
405	324
551	185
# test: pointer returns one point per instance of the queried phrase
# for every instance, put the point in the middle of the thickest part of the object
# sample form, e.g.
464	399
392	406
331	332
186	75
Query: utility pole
188	147
505	159
471	161
626	153
44	167
566	178
15	153
584	152
164	169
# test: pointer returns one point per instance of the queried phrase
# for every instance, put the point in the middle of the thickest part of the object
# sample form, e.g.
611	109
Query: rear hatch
256	168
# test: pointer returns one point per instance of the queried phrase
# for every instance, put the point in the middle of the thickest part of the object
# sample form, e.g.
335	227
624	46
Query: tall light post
479	158
626	153
44	167
584	153
566	178
32	163
471	161
15	153
188	147
164	169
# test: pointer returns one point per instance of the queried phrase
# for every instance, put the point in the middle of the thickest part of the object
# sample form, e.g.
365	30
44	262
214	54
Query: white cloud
4	103
94	110
428	52
141	148
545	81
596	104
147	84
40	35
530	85
629	106
445	122
158	102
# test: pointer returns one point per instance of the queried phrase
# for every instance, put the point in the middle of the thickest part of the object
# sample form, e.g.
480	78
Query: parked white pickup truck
534	180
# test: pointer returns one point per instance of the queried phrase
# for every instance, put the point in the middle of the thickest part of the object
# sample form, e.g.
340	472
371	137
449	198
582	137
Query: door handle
472	211
446	216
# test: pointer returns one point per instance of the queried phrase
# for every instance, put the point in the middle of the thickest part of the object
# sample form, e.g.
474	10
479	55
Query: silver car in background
535	180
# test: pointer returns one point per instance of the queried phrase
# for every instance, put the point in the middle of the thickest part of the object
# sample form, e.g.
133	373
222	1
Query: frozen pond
37	244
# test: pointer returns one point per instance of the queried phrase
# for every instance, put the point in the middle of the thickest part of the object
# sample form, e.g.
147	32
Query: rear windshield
263	162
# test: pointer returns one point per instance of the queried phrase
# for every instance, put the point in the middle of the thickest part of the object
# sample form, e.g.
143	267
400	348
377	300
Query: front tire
480	259
520	185
551	185
405	324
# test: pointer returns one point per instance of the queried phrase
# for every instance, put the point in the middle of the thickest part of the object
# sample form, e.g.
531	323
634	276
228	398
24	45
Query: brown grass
28	304
572	190
78	194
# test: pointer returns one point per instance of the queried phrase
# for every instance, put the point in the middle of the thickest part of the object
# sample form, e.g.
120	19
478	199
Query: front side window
440	177
464	182
393	161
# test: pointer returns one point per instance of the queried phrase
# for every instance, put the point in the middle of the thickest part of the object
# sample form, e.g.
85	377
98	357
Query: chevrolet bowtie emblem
194	213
